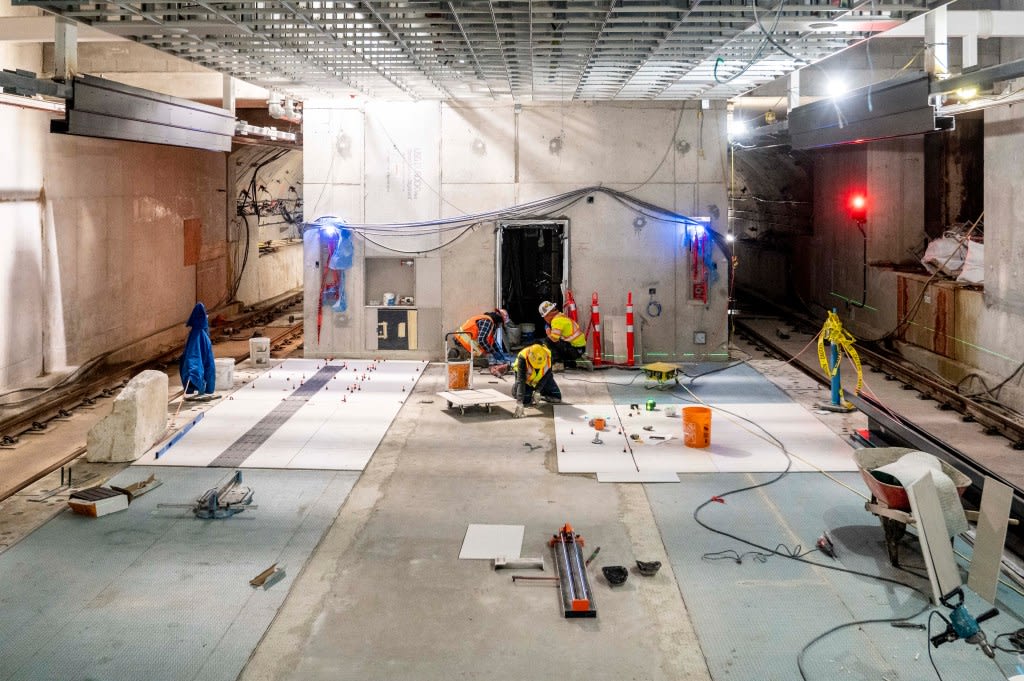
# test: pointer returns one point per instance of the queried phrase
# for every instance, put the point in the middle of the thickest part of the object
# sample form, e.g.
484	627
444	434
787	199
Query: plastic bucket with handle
697	426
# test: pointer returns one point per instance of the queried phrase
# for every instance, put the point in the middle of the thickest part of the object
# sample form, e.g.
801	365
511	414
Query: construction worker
482	335
533	374
565	338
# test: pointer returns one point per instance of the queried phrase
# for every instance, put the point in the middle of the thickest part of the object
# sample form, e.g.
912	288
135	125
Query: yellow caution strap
834	333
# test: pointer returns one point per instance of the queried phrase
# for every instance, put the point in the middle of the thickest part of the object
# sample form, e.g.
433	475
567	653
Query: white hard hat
546	307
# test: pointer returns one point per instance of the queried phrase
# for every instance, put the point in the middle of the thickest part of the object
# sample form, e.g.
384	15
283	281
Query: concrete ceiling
501	50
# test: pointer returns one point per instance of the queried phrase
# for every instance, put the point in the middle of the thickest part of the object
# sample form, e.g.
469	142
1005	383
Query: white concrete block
137	421
225	367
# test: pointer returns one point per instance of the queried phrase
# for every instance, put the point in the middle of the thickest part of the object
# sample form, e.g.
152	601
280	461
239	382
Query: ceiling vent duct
103	108
891	109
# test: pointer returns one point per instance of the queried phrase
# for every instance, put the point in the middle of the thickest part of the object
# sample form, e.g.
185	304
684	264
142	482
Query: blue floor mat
154	593
754	617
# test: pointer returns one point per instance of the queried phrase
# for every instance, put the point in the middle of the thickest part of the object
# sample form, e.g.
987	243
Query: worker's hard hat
546	308
536	356
505	319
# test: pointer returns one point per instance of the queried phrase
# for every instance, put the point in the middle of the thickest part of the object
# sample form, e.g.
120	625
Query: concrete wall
94	259
832	273
390	163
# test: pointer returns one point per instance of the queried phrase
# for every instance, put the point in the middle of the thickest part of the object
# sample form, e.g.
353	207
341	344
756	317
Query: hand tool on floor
577	598
225	501
524	563
962	624
826	546
268	577
593	555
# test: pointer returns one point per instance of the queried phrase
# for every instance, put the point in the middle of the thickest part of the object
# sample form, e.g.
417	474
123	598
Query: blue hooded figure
197	369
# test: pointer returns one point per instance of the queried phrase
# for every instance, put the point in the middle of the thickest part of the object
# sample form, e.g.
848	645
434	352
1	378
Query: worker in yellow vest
565	338
533	374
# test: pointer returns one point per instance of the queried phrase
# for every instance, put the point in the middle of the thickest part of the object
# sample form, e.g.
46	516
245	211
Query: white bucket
512	334
259	350
526	332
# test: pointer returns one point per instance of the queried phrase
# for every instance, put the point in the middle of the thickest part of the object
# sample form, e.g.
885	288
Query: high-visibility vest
533	375
569	331
473	329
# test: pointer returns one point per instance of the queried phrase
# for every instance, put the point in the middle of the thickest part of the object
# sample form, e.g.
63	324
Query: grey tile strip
240	450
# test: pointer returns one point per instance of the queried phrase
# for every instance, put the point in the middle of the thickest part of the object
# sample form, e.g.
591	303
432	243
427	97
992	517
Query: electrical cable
769	437
933	614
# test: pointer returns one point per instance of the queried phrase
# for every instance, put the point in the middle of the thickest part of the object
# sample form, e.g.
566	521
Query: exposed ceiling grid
518	50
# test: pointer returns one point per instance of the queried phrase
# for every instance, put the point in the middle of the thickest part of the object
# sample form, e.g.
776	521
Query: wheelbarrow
890	502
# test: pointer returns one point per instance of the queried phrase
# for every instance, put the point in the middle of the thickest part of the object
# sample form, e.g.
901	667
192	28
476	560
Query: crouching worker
533	374
482	335
564	336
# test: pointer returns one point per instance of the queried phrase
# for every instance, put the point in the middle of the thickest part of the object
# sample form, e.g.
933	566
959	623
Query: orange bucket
696	426
458	376
598	424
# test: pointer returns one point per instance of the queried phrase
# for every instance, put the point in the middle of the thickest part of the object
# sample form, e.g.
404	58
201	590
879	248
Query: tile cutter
577	597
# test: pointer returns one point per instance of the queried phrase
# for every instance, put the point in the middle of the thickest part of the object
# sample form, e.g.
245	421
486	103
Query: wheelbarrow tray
895	496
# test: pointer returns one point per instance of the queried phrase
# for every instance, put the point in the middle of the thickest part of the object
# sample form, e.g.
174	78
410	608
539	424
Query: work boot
585	364
551	400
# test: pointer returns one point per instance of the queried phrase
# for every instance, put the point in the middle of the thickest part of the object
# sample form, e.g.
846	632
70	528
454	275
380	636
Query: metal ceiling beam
408	50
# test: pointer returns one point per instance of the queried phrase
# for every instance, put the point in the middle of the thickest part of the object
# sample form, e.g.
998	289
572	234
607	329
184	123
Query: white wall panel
479	145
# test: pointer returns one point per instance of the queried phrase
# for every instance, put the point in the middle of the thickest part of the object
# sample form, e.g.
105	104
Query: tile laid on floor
654	441
336	427
486	542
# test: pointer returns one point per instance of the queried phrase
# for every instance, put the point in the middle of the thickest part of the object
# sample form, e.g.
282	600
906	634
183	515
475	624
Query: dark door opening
533	266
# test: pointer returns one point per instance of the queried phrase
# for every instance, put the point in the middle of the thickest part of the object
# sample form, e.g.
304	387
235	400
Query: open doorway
533	266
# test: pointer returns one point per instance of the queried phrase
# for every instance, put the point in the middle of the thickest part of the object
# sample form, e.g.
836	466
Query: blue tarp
197	369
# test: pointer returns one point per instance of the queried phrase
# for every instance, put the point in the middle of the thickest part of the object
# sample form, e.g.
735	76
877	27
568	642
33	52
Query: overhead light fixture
836	88
822	25
966	94
737	128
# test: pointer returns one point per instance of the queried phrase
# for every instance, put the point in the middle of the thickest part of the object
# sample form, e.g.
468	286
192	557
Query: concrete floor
384	595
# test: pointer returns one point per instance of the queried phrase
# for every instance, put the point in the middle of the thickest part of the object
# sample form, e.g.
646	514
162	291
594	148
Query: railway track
95	384
889	429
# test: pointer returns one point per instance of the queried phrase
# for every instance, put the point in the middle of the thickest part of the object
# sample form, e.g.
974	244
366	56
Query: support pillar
228	98
794	89
936	50
65	53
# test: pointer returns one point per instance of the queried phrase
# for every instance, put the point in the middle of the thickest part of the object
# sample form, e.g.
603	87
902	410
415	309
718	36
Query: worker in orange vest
533	374
565	338
482	335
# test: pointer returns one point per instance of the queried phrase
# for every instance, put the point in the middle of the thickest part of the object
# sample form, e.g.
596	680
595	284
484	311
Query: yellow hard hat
537	356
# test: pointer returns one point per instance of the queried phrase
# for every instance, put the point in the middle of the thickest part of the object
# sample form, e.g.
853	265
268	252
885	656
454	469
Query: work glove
520	412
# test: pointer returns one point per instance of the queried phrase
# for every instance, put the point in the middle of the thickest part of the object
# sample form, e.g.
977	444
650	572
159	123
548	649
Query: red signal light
858	207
